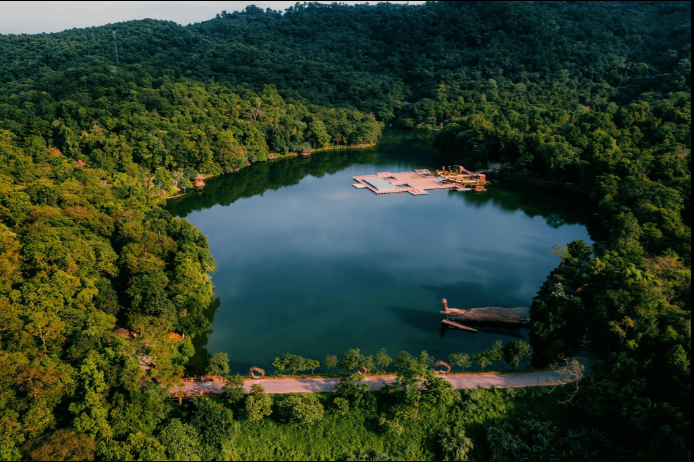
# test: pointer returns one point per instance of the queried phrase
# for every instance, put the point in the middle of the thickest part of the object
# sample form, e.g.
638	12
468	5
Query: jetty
510	317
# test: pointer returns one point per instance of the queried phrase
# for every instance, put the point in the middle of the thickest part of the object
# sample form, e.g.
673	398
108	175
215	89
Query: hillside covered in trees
589	96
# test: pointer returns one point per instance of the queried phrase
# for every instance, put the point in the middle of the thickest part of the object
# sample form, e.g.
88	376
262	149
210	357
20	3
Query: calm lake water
310	265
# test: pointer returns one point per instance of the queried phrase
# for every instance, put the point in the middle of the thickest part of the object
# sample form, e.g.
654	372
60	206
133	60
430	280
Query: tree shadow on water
197	364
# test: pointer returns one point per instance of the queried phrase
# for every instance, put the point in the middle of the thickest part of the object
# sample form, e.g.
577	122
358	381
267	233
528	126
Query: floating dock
511	317
515	316
416	183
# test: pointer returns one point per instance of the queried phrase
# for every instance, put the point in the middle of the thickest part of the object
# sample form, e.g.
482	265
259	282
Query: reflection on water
310	265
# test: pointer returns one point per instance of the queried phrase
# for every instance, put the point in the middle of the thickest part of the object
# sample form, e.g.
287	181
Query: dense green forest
594	97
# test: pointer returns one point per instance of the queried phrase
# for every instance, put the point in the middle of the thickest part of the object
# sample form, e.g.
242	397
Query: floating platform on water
514	316
416	183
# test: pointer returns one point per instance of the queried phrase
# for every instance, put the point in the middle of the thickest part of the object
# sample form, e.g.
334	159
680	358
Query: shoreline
203	378
290	155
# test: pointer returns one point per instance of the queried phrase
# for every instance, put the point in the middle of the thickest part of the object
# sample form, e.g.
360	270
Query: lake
310	265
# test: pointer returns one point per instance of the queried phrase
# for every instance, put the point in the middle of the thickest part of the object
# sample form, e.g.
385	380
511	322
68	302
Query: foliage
281	363
439	392
181	440
382	359
216	427
352	359
341	405
218	364
496	354
516	351
233	392
372	456
392	426
258	403
461	360
454	444
312	364
330	362
537	440
65	445
304	408
295	363
482	358
355	393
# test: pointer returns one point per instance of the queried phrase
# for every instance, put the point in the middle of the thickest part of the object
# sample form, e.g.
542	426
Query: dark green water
310	265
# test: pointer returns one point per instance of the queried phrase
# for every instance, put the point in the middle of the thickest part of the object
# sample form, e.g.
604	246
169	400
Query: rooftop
379	183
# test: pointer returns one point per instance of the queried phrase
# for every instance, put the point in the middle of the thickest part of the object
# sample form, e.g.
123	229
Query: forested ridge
591	96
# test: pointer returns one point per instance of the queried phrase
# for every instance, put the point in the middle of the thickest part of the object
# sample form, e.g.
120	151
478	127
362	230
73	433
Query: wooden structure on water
461	175
458	325
509	317
416	183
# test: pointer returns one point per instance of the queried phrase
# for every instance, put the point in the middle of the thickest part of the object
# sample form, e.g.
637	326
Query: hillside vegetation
591	96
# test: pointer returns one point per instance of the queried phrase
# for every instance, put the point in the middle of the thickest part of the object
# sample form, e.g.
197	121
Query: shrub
258	403
454	444
233	392
392	426
219	364
341	405
301	408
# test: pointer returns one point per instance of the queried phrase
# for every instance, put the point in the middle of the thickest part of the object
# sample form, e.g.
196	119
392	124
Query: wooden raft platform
417	183
459	326
516	316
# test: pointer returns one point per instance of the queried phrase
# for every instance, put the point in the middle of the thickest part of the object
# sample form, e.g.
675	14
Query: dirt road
503	380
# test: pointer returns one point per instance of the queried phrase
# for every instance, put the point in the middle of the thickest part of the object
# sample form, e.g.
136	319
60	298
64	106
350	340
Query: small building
80	163
461	170
306	152
199	181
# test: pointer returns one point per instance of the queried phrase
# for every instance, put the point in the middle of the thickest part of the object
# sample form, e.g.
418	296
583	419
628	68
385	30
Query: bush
258	404
301	408
341	405
392	426
219	364
233	392
454	444
356	394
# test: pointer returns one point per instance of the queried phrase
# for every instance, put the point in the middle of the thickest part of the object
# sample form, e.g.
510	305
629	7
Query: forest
589	96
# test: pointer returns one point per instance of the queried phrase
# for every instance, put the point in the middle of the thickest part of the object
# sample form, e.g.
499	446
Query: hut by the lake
199	181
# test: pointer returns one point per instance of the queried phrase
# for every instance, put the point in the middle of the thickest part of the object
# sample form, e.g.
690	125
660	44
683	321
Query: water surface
310	265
